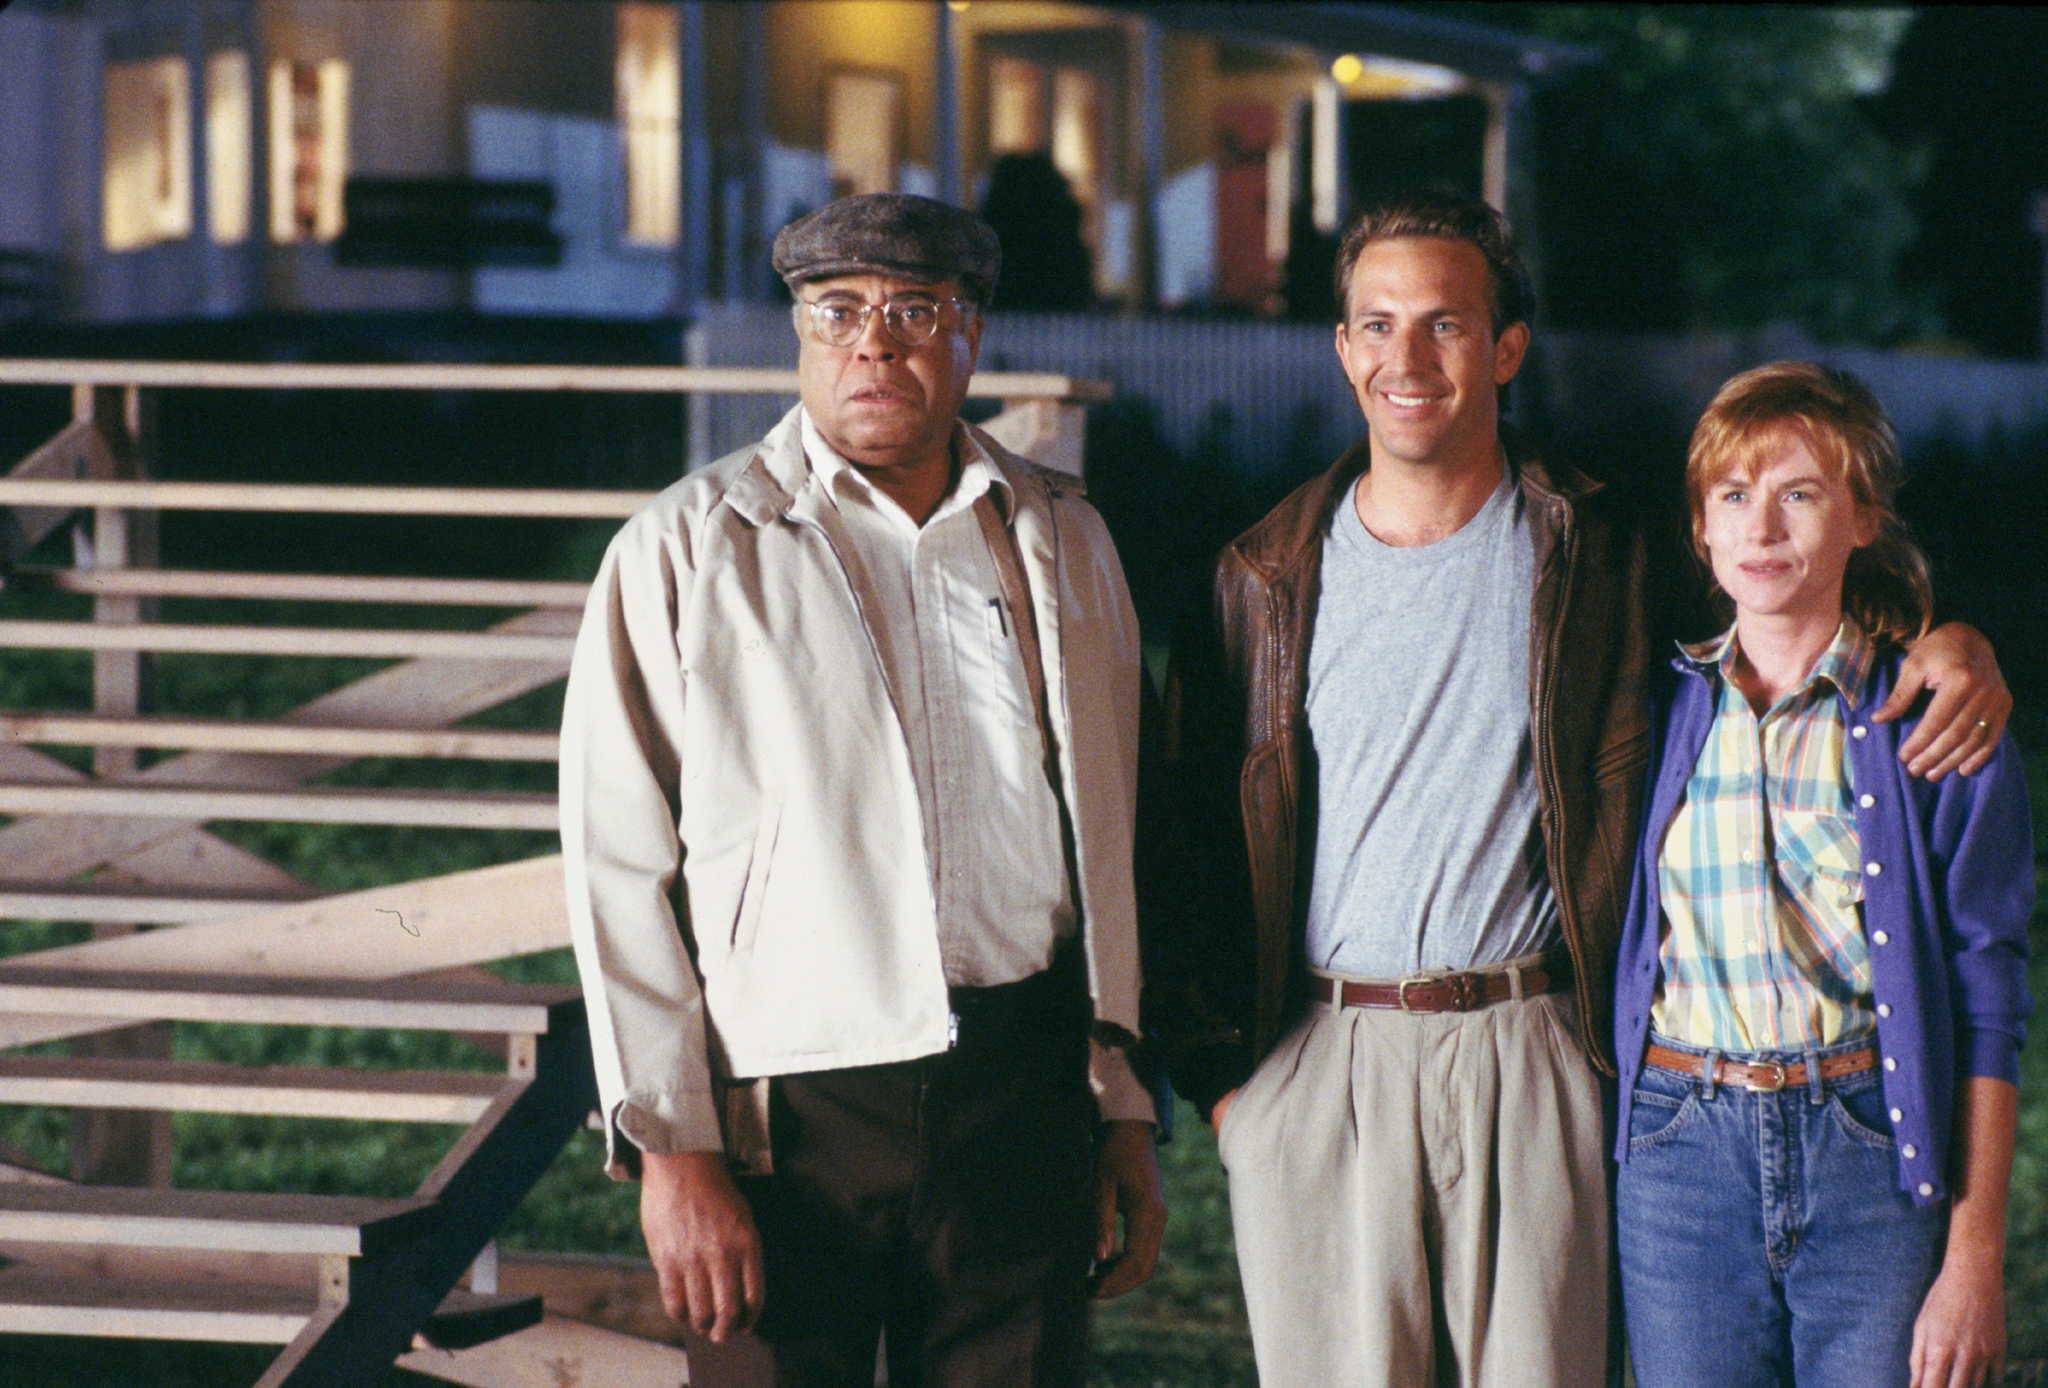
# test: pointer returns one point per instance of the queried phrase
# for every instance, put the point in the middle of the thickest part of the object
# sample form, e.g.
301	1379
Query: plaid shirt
1760	878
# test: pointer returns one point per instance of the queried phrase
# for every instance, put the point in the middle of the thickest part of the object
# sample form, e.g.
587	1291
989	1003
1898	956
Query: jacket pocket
747	920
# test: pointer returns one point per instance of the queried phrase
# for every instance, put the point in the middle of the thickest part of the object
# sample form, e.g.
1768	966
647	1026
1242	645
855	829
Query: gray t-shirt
1428	852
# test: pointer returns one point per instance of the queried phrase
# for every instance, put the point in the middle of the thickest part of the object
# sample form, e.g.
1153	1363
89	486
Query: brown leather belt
1763	1077
1460	992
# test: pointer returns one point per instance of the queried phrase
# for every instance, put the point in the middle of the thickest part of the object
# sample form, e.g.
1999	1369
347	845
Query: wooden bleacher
188	927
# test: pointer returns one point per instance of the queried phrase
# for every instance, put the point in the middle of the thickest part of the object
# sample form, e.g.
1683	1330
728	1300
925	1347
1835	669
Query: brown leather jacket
1227	902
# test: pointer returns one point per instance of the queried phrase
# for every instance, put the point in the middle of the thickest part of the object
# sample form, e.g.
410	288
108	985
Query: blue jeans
1763	1237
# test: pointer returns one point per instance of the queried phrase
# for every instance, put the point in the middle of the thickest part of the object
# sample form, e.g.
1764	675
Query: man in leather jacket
1405	745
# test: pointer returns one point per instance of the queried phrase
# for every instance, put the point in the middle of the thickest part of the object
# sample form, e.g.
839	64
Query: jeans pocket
1859	1112
1656	1118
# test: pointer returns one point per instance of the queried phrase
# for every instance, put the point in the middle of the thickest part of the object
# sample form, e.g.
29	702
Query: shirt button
1909	1151
1926	1189
1872	869
1879	937
1890	1063
1884	1009
1867	801
1898	1116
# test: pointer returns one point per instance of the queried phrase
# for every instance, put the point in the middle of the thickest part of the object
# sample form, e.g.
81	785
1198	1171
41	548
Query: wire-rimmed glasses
839	320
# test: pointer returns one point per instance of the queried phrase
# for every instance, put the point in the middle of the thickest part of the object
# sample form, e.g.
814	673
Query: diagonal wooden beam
75	451
384	932
416	693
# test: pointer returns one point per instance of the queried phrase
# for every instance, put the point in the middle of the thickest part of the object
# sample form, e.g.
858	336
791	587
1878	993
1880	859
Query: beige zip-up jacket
744	853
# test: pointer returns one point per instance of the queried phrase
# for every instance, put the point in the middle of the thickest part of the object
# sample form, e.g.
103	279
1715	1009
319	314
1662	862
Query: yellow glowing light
1347	69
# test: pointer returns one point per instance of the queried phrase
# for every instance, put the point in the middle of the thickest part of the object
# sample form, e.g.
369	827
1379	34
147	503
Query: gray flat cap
891	234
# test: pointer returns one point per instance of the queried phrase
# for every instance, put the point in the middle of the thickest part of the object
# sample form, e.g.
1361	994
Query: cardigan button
1909	1151
1867	801
1890	1064
1884	1009
1879	937
1926	1189
1858	732
1872	869
1898	1116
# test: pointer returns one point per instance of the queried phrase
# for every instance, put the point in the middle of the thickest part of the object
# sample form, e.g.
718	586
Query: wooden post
120	1146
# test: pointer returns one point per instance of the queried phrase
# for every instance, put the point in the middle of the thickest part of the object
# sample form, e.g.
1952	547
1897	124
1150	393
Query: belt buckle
1401	989
1776	1082
1467	991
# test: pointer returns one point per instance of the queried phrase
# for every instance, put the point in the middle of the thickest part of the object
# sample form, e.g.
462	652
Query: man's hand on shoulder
1966	715
701	1237
1127	1183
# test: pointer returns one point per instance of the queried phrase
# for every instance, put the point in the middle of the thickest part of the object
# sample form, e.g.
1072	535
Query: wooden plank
1050	433
249	735
193	583
189	859
324	499
558	1353
400	1004
421	693
37	1299
298	1091
383	932
615	1292
197	860
37	1302
707	380
108	902
223	639
75	451
208	1267
445	809
347	1225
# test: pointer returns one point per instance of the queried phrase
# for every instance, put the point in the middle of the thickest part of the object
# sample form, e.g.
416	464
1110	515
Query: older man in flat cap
848	774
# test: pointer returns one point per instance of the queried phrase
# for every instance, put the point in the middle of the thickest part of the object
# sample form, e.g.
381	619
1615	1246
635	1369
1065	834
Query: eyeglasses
840	321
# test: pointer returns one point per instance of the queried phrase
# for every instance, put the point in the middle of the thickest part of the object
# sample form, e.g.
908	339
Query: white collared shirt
933	603
932	600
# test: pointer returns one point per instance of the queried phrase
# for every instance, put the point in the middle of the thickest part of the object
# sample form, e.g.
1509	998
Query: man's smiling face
878	403
1419	348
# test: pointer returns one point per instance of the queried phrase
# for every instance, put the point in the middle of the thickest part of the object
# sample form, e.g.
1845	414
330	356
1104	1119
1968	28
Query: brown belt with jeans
1453	992
1763	1076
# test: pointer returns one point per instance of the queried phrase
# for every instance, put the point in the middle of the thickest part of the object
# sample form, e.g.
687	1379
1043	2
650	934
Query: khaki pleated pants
1420	1200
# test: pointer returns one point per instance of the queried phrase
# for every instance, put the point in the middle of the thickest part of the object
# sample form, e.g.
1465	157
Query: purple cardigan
1948	886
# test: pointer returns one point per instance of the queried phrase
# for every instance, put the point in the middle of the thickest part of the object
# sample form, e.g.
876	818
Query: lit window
863	112
148	186
650	103
1016	106
308	149
227	148
1076	124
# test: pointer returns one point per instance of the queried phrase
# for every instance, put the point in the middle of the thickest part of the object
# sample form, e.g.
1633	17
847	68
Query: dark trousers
942	1205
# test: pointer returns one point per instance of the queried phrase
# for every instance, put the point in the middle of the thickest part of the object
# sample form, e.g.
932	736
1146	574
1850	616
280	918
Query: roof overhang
1483	53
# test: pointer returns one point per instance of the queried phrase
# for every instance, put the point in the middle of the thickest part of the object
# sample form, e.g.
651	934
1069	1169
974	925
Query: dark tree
1715	170
1966	95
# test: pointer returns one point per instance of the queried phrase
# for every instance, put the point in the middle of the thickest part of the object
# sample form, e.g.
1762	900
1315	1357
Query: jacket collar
779	476
1296	528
